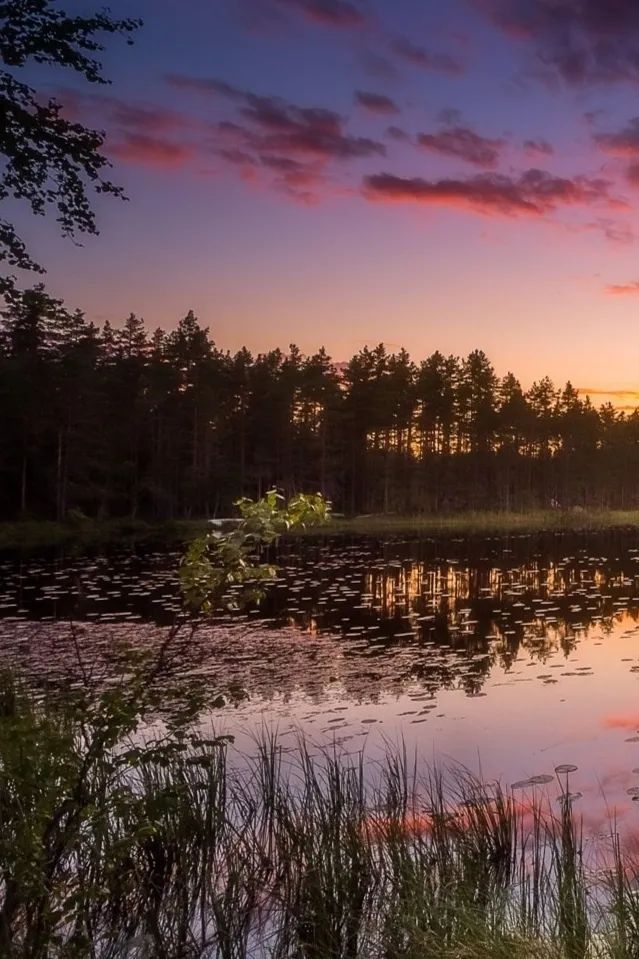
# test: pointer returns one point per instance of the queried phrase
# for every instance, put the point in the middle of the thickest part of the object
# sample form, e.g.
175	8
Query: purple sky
439	175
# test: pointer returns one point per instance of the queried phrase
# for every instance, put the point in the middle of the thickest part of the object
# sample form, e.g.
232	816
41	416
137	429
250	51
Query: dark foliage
121	422
47	160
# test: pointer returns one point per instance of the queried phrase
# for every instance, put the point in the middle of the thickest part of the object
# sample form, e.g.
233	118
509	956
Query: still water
510	656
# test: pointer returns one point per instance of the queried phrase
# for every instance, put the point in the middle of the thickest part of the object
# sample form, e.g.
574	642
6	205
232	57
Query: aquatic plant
114	843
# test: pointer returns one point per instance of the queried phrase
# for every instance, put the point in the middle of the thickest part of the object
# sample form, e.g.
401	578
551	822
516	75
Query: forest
141	423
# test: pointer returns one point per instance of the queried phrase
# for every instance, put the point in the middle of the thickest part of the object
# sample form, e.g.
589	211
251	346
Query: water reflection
524	653
376	617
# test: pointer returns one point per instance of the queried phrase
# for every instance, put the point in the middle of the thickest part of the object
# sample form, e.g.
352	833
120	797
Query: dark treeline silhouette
127	422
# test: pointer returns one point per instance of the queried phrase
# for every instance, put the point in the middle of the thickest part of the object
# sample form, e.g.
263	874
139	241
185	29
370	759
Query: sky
434	174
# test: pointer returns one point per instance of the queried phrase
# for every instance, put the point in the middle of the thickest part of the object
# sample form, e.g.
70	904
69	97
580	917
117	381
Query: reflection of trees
446	623
366	621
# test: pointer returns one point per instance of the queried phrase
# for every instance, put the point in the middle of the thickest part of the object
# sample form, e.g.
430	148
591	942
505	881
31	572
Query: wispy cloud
623	289
426	59
624	142
579	41
533	193
375	102
539	147
616	231
142	134
333	13
628	721
464	143
264	16
151	151
295	143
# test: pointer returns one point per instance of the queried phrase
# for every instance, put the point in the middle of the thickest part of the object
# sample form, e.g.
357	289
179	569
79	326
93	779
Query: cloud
616	231
151	151
204	85
292	144
425	59
276	125
450	116
314	131
265	16
332	13
375	102
378	66
464	143
623	289
538	147
141	118
621	721
396	133
580	41
624	142
533	193
617	395
141	134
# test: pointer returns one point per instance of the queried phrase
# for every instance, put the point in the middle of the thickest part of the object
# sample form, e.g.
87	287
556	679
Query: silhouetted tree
125	422
48	160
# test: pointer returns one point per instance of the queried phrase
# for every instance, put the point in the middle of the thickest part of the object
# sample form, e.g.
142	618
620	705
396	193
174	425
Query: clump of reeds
112	847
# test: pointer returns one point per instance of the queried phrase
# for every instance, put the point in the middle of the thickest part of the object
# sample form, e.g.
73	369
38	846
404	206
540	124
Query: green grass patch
40	534
489	523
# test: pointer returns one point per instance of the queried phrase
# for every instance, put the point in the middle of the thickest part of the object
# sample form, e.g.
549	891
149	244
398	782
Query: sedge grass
301	854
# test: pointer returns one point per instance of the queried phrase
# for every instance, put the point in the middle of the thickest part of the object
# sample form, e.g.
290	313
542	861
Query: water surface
510	656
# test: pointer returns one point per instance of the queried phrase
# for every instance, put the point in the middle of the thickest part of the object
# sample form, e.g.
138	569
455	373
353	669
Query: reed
173	846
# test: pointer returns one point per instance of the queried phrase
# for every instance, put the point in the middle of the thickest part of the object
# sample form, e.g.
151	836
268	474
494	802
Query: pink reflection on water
521	725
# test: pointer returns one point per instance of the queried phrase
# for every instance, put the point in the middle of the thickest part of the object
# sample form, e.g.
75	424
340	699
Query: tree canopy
129	421
49	162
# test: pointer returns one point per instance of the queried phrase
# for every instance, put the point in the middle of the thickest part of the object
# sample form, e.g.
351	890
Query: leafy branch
226	568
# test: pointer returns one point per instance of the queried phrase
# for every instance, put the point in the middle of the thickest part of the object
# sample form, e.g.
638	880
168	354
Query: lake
510	656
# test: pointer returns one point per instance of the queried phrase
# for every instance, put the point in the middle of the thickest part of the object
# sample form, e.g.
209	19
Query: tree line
130	422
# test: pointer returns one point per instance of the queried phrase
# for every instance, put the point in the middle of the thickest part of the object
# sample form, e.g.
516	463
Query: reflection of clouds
480	645
621	721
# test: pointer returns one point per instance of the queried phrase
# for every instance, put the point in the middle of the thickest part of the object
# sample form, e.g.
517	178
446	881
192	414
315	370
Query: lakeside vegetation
43	534
118	841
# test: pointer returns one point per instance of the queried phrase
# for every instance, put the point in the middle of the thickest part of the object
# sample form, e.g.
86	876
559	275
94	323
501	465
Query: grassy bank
34	534
482	523
42	534
167	848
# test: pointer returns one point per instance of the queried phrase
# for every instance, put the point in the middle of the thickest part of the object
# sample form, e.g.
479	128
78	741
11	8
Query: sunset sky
438	174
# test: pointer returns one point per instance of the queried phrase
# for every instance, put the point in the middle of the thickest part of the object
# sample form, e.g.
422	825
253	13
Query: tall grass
480	523
110	848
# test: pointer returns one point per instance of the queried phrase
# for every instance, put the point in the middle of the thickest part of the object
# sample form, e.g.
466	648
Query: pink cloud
621	720
624	289
464	143
538	147
151	151
533	193
142	134
332	13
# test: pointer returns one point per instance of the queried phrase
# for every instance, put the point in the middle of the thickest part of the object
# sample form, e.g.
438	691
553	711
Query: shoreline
42	534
